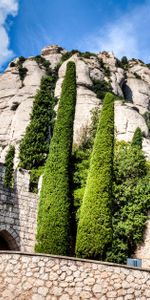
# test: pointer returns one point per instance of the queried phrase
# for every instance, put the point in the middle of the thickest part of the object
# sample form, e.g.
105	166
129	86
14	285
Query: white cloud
129	35
7	7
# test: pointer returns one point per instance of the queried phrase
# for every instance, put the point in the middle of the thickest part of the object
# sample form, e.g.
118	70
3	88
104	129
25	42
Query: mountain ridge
129	81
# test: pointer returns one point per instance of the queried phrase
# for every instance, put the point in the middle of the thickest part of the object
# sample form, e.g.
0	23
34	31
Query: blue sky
121	26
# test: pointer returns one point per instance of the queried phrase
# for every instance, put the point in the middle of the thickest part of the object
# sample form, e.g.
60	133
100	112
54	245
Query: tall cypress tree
34	146
9	167
54	206
94	232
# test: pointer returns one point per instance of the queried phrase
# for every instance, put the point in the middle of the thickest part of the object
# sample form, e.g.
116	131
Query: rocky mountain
96	74
130	81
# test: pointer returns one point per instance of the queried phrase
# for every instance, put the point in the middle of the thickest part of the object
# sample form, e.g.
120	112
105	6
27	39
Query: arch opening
7	242
3	244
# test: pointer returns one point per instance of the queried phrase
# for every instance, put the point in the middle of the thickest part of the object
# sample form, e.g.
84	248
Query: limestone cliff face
16	103
131	84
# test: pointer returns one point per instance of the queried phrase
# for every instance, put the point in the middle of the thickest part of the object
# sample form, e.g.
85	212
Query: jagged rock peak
53	54
52	49
107	57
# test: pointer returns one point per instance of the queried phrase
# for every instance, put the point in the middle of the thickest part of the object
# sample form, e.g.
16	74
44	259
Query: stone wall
143	250
18	210
45	277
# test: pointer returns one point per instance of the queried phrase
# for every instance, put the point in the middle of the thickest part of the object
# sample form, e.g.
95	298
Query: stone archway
7	241
3	244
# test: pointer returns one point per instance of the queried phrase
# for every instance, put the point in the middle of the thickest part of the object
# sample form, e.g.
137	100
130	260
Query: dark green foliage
22	71
124	60
22	59
54	207
105	68
119	63
34	178
123	162
137	138
53	74
100	88
107	71
123	63
68	54
87	54
34	146
131	201
94	232
42	62
102	64
9	167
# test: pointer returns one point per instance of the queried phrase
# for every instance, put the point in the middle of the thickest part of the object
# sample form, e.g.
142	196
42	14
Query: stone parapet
46	277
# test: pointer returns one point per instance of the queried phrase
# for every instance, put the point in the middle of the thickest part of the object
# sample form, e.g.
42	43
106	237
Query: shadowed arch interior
7	242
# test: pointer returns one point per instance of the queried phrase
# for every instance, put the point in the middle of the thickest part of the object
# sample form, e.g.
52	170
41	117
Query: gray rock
128	116
53	54
138	92
127	119
14	120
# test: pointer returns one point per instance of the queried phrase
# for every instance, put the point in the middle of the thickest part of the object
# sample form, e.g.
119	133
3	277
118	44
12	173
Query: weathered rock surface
86	103
139	68
108	58
95	70
117	79
138	92
127	119
16	103
128	116
82	74
53	54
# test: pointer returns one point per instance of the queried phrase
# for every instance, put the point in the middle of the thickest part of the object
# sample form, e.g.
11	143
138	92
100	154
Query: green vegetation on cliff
55	199
42	62
111	191
9	167
68	54
137	138
34	146
22	70
131	201
131	194
100	88
94	232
